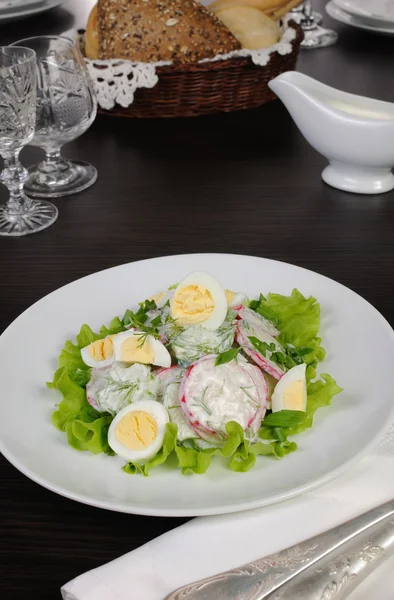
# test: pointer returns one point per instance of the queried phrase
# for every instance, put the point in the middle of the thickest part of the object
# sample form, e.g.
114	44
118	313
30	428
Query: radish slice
172	374
252	317
211	396
261	385
246	330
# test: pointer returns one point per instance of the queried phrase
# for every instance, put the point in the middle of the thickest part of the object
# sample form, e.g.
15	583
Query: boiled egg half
137	432
100	353
290	391
199	300
134	346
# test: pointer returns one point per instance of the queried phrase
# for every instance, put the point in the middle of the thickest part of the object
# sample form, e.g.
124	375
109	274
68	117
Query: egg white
91	362
155	410
162	357
297	373
218	315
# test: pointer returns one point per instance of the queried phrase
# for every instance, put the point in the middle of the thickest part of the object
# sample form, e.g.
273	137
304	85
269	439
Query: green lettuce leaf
85	428
164	453
92	436
244	457
86	336
193	460
298	317
115	326
320	393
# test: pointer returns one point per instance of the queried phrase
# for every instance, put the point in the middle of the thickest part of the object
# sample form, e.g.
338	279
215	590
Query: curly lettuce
240	454
86	429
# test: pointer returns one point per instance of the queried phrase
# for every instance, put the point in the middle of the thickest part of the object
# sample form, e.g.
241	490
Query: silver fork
325	567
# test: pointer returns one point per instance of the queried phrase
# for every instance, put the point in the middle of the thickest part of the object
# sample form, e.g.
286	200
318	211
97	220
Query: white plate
382	10
18	10
343	17
12	5
360	355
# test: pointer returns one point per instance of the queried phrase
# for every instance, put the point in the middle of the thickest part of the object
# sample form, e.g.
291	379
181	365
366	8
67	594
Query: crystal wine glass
20	215
296	14
66	107
315	36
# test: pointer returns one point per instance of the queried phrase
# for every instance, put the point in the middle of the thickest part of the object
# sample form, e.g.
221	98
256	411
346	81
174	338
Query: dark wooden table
246	183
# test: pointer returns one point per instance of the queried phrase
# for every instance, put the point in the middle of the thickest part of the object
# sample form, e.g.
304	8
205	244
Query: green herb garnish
284	418
262	347
260	306
200	402
227	356
139	319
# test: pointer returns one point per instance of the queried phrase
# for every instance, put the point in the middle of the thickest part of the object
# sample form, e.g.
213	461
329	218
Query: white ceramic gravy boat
355	133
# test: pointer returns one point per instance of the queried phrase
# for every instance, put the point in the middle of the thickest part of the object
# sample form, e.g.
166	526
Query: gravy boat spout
356	134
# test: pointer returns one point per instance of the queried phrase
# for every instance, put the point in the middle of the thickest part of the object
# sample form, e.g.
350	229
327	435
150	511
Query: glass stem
308	21
52	161
14	176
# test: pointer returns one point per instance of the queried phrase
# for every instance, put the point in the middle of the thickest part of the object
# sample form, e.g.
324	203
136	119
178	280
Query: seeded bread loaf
161	30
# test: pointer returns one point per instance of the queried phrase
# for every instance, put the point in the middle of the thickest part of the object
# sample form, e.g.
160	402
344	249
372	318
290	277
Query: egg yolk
294	396
137	430
136	349
101	349
192	304
229	296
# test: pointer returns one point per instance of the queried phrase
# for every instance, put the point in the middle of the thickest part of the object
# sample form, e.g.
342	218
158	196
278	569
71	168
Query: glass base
78	176
319	38
33	217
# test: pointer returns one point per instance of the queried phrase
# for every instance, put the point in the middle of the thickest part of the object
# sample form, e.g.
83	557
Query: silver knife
325	567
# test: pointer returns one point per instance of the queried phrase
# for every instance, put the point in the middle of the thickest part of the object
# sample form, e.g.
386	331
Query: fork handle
335	577
310	561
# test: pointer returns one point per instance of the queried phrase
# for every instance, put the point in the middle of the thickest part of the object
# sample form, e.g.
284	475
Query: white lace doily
116	81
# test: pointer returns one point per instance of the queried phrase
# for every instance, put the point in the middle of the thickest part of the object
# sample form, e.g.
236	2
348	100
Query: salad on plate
196	372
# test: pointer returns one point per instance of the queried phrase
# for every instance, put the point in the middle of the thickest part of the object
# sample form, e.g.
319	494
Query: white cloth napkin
209	545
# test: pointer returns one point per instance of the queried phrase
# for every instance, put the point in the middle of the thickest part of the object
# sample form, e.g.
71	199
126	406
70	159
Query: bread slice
252	28
155	30
92	48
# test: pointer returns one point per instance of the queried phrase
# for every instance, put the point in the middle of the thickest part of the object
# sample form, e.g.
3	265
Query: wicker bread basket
205	88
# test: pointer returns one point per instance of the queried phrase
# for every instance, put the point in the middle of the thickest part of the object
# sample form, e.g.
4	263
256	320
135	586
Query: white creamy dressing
117	386
254	318
177	416
360	111
196	341
217	395
167	376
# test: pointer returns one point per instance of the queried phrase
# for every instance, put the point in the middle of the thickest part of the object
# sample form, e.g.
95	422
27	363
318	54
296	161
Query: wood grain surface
245	183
